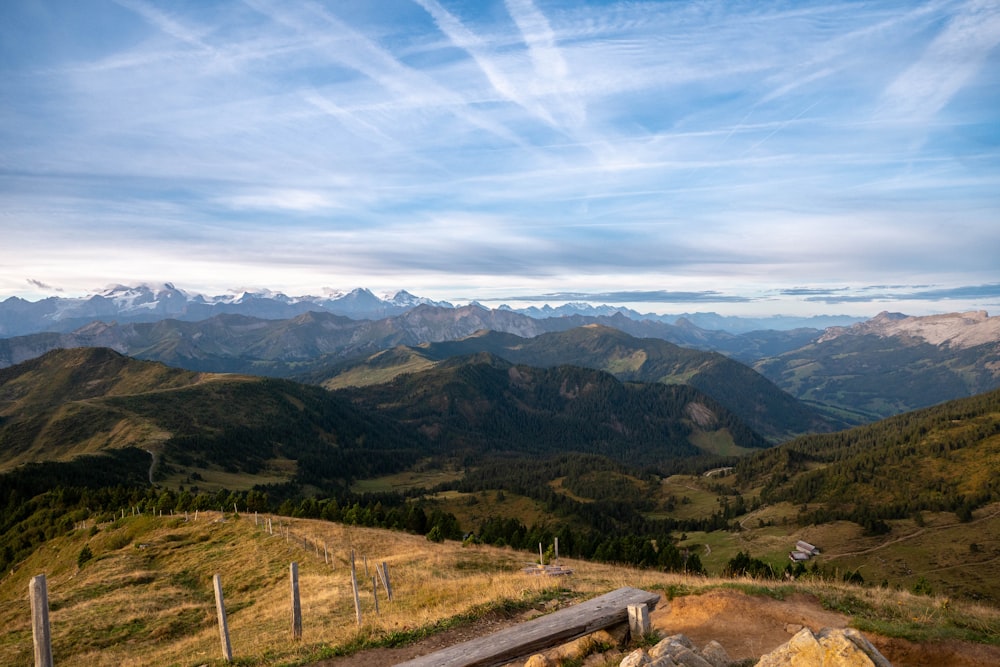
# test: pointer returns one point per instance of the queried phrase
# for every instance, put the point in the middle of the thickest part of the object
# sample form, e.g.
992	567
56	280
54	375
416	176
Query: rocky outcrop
828	648
678	651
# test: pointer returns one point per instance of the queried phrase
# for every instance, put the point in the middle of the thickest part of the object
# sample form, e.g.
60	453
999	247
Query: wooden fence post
40	632
638	620
386	581
220	609
296	606
354	585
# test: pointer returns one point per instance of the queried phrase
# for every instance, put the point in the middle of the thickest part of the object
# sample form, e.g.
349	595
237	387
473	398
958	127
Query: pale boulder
830	648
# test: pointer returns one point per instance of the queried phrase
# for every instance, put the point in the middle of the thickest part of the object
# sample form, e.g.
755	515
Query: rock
662	647
663	661
685	657
714	654
792	628
637	658
681	639
539	660
618	633
680	650
830	648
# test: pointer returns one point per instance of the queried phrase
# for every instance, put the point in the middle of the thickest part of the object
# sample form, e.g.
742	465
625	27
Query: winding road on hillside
152	466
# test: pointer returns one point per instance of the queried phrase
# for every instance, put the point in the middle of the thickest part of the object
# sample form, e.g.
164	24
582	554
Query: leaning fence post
375	594
354	585
220	608
296	606
40	632
386	581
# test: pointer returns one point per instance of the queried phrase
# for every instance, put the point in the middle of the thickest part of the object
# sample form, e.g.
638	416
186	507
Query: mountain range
892	363
761	405
146	303
86	401
855	374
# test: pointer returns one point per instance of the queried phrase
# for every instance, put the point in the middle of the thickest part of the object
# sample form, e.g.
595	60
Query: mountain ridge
147	303
959	330
758	402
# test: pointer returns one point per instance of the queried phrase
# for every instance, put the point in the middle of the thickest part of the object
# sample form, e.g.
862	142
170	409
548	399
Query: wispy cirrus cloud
719	150
947	65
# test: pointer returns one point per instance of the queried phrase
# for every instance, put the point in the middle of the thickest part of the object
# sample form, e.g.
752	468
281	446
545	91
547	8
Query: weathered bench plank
524	639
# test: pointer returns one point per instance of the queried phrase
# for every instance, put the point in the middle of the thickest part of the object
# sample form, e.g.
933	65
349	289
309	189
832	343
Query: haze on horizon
742	157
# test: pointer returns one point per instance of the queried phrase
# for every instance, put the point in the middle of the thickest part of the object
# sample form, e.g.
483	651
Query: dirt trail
746	626
910	536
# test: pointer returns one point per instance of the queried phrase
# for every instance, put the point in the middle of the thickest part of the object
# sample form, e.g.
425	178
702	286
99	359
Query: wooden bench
525	639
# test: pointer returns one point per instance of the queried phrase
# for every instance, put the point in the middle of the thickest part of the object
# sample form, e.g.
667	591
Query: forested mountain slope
483	404
943	458
761	405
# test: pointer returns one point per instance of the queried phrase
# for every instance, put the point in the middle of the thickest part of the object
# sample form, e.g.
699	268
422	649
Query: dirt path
910	536
152	466
380	657
746	626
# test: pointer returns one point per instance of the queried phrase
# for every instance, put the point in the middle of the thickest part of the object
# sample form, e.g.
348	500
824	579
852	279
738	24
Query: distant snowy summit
150	303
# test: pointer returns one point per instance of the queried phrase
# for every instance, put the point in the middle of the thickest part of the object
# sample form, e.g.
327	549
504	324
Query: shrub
85	555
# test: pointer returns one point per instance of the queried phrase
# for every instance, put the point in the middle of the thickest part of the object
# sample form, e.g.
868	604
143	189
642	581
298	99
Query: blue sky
742	157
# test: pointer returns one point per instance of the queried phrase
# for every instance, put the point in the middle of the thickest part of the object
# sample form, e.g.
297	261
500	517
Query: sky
747	158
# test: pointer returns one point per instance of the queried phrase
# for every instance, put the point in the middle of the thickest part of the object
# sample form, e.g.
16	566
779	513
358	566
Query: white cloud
282	200
947	65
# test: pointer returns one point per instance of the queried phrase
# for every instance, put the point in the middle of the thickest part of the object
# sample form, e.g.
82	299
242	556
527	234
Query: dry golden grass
146	596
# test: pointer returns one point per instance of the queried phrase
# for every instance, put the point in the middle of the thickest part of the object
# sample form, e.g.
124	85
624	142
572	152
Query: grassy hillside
909	504
68	403
145	595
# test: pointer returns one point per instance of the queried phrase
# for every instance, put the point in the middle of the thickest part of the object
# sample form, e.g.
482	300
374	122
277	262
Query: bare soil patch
750	626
